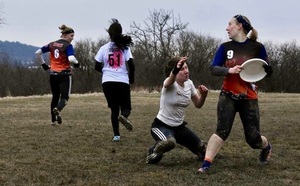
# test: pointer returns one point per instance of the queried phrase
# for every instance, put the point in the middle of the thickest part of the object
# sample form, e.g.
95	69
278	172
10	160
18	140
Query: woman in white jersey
111	61
169	127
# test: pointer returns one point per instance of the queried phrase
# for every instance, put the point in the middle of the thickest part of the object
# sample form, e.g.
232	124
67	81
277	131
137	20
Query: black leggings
249	114
182	134
118	98
61	89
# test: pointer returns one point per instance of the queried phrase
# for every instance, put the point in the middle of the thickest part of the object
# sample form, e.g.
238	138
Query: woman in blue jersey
169	127
61	56
112	60
237	95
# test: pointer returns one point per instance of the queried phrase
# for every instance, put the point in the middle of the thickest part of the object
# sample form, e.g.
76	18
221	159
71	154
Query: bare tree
162	36
285	60
289	67
5	66
86	79
2	19
200	51
154	43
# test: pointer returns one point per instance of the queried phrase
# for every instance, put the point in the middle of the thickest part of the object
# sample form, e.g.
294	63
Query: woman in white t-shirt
169	127
111	61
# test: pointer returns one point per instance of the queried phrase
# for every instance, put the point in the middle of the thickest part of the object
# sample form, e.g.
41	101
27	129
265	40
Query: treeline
161	37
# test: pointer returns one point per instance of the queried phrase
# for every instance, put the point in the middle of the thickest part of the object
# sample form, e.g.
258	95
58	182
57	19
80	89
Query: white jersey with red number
114	63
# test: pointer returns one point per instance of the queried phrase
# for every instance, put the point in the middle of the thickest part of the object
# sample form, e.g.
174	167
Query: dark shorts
117	94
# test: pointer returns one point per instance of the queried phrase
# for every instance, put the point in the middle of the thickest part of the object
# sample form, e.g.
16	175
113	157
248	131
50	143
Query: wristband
175	71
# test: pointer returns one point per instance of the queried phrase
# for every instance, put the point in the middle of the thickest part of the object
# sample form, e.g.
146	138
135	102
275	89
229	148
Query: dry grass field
80	151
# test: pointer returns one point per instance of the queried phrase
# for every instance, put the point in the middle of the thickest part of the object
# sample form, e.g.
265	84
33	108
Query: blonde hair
253	34
66	30
247	26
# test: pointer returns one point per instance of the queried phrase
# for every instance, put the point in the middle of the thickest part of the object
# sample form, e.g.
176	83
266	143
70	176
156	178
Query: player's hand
203	90
76	65
268	70
45	66
235	70
179	65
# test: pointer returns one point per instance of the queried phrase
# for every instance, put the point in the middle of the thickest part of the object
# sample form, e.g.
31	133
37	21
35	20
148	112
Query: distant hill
18	51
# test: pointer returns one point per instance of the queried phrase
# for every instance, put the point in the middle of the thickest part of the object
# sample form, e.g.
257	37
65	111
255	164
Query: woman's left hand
203	90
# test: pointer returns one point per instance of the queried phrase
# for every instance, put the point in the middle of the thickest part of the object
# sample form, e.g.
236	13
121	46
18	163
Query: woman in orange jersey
61	55
236	94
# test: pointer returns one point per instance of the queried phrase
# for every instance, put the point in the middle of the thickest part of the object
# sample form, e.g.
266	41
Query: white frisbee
253	70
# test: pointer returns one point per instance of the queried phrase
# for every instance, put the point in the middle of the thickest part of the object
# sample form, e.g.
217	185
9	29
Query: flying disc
253	70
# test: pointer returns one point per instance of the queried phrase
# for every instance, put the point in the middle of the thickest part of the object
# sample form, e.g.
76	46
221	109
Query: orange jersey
58	57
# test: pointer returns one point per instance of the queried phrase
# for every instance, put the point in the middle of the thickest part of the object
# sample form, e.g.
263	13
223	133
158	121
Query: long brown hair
115	33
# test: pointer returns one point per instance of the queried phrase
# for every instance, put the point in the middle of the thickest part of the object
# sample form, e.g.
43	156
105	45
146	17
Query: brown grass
80	151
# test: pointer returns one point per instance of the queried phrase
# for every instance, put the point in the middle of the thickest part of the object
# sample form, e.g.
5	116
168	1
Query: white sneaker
116	138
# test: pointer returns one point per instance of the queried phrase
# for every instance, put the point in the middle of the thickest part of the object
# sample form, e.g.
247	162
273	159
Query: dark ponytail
115	33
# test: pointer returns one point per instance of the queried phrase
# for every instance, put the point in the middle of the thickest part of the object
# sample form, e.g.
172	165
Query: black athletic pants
61	89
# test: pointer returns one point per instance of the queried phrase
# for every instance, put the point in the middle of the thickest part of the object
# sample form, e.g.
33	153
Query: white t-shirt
114	63
173	102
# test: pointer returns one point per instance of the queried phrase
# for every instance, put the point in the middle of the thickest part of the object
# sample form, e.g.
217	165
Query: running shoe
126	122
265	154
205	167
116	139
156	153
153	158
58	118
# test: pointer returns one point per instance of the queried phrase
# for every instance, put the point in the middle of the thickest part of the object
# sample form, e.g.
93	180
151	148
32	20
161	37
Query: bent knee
172	142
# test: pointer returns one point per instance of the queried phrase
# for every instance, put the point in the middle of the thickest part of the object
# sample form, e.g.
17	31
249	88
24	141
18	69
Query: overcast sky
35	22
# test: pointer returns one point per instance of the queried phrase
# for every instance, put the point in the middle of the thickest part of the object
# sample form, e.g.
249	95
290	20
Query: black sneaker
126	122
265	154
153	158
58	118
155	154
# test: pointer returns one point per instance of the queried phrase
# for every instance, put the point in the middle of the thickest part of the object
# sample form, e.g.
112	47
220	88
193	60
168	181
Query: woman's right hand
181	62
235	70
